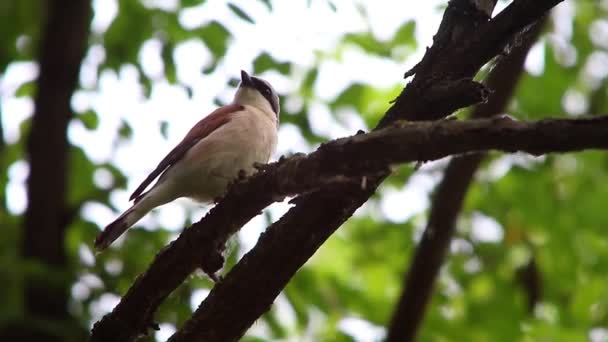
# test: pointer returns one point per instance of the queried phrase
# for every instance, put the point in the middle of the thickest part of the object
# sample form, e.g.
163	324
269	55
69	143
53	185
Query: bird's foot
261	166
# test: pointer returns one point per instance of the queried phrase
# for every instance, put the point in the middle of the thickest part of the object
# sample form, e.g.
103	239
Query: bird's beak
246	79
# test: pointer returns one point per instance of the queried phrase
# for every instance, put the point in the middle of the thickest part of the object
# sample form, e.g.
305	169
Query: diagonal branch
204	240
235	302
448	199
300	220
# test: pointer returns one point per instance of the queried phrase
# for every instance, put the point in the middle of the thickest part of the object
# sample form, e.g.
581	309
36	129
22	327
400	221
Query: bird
226	144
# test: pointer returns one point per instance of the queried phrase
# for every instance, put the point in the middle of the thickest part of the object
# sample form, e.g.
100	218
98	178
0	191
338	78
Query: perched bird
213	153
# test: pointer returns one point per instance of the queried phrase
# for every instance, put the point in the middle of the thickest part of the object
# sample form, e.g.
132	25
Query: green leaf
265	62
125	130
267	3
309	82
89	119
369	43
26	89
169	63
164	127
215	36
191	3
405	35
240	13
81	186
370	102
133	18
332	6
19	19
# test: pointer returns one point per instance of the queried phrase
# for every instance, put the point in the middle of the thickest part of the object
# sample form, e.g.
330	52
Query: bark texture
251	286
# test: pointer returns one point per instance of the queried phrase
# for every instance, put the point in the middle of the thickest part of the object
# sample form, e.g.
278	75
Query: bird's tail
112	231
140	208
158	195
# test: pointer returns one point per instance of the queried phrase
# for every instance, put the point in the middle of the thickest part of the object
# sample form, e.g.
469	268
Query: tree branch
312	216
448	198
442	67
235	302
503	25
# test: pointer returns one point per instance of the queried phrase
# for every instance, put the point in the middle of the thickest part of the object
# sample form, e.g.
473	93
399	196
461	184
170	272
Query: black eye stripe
260	85
268	97
267	92
263	88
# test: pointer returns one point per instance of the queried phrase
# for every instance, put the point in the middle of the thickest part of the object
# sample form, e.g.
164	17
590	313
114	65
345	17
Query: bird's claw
260	166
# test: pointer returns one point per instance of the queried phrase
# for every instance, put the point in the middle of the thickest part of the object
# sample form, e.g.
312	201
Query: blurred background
152	68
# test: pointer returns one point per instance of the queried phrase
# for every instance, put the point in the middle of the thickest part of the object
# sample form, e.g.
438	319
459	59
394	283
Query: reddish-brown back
202	129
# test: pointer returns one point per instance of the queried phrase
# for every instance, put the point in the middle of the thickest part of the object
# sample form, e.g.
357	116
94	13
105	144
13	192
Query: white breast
249	137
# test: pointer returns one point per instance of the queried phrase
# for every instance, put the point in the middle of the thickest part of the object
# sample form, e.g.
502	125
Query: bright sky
293	31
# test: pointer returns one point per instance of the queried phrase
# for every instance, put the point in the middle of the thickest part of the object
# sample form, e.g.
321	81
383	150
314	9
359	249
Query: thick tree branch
442	69
491	36
346	160
448	198
312	215
337	165
413	105
234	303
465	41
503	25
63	44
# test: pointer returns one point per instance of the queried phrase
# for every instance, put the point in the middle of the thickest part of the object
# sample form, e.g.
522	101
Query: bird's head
257	92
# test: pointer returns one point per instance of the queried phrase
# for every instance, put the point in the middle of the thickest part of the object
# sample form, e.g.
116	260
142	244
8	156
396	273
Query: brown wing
202	129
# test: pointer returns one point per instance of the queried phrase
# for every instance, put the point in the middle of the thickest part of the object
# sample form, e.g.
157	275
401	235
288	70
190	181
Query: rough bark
63	44
236	301
448	198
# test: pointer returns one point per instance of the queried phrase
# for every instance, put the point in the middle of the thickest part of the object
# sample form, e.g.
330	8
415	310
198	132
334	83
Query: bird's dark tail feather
114	230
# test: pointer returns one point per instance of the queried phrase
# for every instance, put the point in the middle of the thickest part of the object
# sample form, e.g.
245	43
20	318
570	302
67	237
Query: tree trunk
47	279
